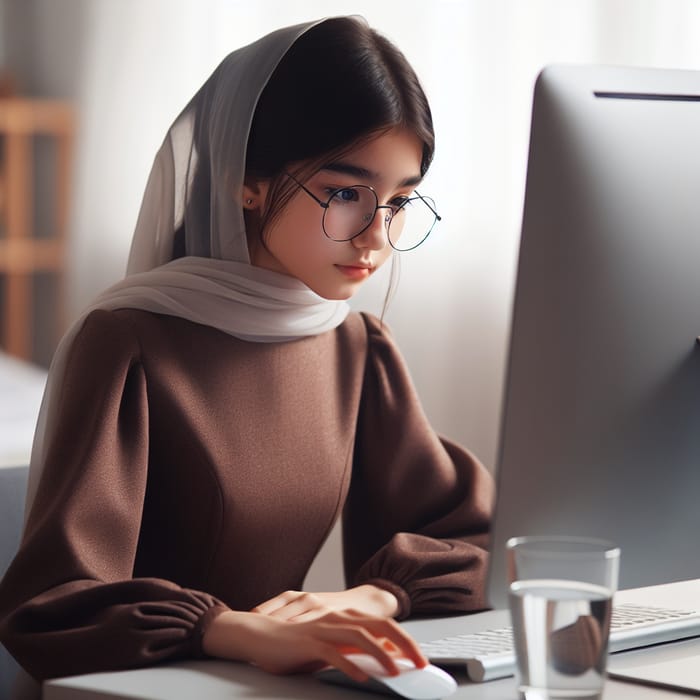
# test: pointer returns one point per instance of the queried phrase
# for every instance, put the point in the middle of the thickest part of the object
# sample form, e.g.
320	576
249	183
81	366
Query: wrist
402	598
229	635
384	602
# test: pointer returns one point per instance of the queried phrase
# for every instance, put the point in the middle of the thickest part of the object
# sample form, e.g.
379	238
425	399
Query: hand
300	606
280	646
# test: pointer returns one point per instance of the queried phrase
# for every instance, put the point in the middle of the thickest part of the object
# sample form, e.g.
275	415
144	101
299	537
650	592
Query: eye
347	195
398	203
344	195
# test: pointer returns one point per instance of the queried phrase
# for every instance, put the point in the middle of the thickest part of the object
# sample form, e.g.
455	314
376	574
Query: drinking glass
561	591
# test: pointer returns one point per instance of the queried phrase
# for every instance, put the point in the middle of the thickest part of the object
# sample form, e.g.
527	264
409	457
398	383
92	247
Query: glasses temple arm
425	201
308	191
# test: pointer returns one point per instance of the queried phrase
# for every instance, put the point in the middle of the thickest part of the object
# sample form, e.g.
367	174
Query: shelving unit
25	251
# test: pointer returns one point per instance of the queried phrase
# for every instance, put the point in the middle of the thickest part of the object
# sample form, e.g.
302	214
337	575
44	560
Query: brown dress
190	470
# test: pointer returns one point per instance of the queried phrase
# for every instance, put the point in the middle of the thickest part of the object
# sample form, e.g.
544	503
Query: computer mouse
428	683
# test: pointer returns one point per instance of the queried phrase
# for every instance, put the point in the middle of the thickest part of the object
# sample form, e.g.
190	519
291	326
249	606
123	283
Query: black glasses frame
389	217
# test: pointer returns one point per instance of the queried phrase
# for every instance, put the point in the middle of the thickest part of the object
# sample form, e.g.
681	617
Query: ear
254	193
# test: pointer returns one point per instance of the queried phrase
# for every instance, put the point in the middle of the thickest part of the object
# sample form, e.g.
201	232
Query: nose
375	236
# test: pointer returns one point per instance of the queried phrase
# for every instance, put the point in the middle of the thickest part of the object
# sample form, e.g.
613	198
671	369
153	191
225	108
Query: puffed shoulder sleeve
69	603
417	516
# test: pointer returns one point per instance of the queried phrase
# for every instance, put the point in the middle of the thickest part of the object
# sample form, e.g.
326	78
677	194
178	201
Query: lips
356	270
364	264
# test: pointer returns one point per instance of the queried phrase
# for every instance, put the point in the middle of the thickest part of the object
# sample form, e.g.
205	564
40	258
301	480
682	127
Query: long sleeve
417	516
69	603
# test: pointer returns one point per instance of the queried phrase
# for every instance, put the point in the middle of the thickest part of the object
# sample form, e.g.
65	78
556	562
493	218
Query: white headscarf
214	284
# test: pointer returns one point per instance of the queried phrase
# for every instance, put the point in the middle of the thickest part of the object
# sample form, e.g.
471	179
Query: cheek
299	247
384	255
297	228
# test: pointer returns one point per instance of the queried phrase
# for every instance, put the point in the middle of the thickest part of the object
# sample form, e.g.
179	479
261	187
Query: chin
338	296
335	293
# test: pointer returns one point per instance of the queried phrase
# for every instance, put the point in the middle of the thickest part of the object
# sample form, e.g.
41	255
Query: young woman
210	417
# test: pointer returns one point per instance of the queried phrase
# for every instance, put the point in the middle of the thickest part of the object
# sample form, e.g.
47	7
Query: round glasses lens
412	223
350	211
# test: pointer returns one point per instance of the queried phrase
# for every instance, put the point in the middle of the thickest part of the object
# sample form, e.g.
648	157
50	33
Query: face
295	243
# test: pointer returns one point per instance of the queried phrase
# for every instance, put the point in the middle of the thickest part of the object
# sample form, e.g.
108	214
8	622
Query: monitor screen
600	432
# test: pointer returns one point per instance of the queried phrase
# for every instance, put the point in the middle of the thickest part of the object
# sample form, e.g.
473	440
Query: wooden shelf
23	254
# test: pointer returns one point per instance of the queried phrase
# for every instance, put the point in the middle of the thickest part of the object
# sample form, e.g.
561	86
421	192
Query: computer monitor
600	431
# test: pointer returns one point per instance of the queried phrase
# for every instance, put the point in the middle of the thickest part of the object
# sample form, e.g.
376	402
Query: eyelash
397	201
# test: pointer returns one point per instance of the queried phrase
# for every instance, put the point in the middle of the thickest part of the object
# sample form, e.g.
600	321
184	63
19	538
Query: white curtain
141	61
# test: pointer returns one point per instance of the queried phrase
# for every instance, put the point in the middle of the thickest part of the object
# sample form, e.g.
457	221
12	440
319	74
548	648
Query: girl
210	417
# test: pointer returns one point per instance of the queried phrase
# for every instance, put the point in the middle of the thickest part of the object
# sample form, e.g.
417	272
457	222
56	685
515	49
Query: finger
390	646
342	636
392	633
387	644
405	645
279	601
305	605
267	607
307	615
347	649
271	605
335	657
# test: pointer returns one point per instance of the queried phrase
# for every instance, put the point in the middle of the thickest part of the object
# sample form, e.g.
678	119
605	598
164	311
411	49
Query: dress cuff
201	627
401	596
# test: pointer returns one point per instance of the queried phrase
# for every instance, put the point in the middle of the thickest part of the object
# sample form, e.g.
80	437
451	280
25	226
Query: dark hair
341	81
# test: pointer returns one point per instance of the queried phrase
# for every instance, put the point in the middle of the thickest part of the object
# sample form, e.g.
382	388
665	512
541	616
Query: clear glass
561	591
350	210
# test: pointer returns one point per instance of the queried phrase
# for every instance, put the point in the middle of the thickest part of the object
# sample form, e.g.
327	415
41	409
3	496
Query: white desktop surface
221	680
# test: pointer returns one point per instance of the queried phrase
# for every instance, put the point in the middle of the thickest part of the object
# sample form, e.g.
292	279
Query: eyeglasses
349	211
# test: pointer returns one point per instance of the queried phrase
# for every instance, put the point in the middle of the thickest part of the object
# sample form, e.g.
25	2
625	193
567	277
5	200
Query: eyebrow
365	174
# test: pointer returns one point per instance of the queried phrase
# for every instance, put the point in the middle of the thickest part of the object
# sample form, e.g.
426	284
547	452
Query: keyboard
490	654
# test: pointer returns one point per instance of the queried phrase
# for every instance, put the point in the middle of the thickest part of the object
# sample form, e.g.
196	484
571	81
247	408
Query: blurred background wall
129	66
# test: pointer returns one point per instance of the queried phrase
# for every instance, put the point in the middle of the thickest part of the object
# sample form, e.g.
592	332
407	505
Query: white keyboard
490	654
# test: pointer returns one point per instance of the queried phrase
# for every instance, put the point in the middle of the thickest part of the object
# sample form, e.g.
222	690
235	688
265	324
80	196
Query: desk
220	680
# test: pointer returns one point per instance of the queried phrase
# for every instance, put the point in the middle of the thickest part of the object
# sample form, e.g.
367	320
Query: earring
249	201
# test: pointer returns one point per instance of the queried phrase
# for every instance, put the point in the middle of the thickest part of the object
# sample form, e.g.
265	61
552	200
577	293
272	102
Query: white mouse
428	683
